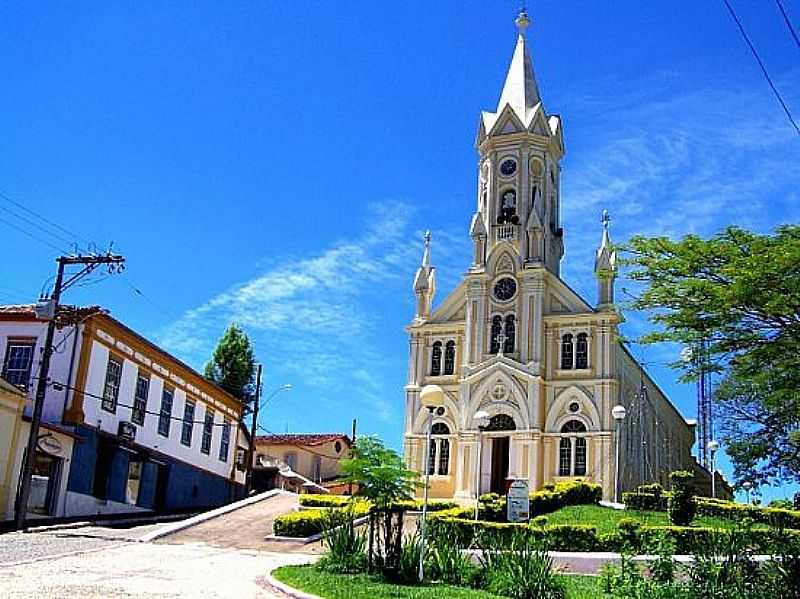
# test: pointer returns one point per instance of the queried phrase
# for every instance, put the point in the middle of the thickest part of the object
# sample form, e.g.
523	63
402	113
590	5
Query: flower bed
337	501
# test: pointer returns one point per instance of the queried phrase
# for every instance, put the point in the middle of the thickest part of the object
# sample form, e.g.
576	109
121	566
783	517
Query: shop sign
50	444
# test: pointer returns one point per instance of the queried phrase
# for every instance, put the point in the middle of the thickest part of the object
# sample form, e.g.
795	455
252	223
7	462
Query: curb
182	524
285	588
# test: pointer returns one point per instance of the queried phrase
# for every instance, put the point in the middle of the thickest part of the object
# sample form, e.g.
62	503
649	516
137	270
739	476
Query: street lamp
481	418
747	485
618	414
713	446
431	397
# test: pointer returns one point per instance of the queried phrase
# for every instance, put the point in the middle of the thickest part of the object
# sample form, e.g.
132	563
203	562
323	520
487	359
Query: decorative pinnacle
522	20
605	219
426	256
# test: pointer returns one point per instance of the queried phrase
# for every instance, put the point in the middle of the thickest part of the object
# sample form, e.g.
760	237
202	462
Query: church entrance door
500	447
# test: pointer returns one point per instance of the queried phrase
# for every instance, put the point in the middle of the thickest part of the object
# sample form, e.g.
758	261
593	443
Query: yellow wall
304	464
11	405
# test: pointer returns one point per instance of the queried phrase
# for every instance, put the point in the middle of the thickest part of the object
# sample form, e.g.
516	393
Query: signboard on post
518	503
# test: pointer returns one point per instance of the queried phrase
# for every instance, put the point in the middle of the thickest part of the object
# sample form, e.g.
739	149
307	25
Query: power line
60	250
788	22
37	226
71	234
119	404
761	64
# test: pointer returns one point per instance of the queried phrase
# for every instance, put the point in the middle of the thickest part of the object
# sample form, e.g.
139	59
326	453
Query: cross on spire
426	255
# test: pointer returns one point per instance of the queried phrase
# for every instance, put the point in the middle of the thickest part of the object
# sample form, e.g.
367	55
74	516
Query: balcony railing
505	232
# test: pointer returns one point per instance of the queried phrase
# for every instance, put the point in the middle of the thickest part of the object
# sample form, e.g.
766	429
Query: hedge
630	536
551	498
309	522
337	501
719	508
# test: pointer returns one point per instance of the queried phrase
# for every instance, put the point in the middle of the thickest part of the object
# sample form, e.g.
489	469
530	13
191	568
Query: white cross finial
605	219
501	339
426	255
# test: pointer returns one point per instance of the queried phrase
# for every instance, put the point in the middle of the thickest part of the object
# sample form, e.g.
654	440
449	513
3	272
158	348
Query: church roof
520	90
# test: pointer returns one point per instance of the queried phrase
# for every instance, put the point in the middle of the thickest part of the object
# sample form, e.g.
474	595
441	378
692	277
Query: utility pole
253	426
115	263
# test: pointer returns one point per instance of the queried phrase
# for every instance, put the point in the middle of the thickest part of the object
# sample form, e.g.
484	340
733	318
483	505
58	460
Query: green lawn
361	586
606	518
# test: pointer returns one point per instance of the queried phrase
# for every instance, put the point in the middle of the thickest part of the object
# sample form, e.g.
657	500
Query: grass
361	586
606	518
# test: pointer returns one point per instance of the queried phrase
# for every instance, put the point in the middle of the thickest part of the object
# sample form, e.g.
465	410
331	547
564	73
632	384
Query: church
530	370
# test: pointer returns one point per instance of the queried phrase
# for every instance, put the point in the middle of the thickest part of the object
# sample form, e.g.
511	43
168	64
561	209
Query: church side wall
656	439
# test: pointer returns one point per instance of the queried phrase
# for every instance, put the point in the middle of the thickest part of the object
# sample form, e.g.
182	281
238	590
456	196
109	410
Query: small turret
605	268
477	231
425	283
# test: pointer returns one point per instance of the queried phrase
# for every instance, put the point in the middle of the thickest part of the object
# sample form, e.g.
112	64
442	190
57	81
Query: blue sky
276	163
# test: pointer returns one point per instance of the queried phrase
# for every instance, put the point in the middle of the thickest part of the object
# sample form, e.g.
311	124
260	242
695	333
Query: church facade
514	341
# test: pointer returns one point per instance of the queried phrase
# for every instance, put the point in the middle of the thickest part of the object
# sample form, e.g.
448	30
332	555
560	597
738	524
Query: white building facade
515	341
145	432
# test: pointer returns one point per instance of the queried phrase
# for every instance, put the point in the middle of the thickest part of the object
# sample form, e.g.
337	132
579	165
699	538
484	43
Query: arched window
507	214
564	456
497	330
449	357
572	449
439	453
436	359
510	332
582	351
501	422
573	426
566	351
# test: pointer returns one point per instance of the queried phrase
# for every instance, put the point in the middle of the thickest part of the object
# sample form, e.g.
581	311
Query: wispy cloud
670	163
324	315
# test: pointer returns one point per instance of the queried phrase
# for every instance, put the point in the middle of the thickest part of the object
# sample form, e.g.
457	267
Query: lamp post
431	398
713	446
747	485
481	418
618	414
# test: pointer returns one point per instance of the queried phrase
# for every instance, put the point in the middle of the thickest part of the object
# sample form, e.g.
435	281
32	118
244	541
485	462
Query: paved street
109	564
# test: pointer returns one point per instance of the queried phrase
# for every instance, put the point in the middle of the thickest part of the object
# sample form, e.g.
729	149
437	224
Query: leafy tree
737	294
383	479
232	365
379	473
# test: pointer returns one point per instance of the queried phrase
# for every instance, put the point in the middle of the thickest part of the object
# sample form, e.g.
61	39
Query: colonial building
302	462
127	427
514	340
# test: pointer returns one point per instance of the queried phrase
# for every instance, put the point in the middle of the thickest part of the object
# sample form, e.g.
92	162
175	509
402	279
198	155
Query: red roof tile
301	439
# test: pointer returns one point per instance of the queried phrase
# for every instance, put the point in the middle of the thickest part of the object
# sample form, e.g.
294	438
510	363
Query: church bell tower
520	147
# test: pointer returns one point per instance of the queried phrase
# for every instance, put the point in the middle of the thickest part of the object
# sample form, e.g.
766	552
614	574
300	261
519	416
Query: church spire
425	282
520	90
605	268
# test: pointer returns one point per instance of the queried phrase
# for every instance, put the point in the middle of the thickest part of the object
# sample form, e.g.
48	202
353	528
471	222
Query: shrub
410	552
338	501
571	537
629	531
447	563
320	500
346	546
520	569
540	521
777	517
681	505
299	524
310	522
636	500
555	496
